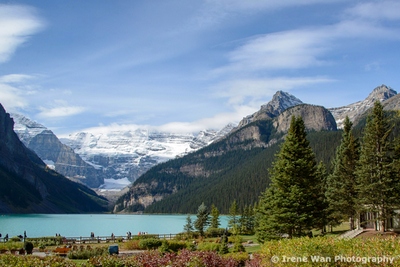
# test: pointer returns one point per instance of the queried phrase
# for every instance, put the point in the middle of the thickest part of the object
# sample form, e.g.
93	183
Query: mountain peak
381	93
279	103
355	110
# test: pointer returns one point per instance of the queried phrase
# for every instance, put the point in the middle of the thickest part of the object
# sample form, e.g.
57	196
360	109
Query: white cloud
376	10
15	78
60	109
11	98
17	23
239	91
282	50
265	5
298	49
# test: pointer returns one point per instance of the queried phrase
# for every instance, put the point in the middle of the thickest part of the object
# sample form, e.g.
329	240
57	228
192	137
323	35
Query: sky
185	66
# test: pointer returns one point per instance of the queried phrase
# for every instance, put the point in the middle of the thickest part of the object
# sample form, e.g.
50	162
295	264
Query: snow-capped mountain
113	157
127	152
55	154
109	158
355	110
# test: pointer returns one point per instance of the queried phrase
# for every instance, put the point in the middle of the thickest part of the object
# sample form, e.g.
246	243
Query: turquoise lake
76	225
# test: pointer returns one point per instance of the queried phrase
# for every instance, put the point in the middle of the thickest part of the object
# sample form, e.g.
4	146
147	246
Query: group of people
5	237
129	235
19	236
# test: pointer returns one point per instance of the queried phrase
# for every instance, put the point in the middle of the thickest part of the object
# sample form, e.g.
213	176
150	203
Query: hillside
234	168
28	186
55	154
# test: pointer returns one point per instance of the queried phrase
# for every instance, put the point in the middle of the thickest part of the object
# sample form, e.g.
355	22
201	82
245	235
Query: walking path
352	233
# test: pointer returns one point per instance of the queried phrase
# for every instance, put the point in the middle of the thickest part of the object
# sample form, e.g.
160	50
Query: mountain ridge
163	184
27	185
113	160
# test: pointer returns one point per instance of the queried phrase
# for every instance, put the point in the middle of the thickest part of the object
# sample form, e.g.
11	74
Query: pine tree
290	205
342	183
202	220
215	223
246	220
233	215
378	183
188	227
323	214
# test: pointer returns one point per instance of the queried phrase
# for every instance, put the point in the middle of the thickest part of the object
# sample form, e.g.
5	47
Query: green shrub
187	236
15	239
87	253
172	246
132	245
150	243
214	232
208	246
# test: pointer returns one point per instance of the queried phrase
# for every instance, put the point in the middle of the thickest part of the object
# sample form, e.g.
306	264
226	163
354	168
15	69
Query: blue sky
189	65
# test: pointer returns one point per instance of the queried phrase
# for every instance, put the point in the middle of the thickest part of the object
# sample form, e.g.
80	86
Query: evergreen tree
342	183
188	227
322	218
378	183
246	221
233	215
215	223
202	220
290	205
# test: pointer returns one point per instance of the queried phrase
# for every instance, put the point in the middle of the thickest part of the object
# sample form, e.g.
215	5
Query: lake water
76	225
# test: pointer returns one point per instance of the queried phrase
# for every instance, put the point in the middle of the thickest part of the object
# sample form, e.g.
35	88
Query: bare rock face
392	103
279	103
315	118
13	155
56	155
356	110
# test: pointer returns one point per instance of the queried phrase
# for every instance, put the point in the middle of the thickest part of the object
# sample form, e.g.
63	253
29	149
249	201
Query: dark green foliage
291	204
215	232
341	191
65	195
17	191
172	246
247	221
188	227
203	219
233	216
233	170
150	243
378	181
214	223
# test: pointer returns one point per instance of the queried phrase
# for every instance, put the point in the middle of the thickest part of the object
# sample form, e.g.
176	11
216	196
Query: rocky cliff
279	103
56	155
28	186
316	118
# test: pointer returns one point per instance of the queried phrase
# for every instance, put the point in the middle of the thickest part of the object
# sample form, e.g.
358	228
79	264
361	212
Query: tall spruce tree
233	215
323	205
215	223
290	204
188	227
341	190
203	219
378	183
